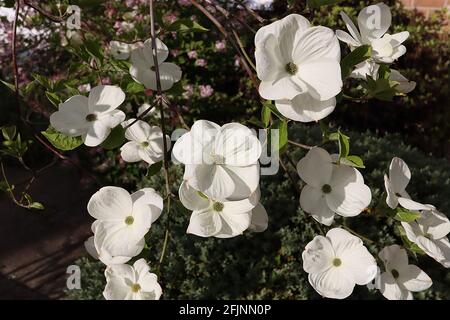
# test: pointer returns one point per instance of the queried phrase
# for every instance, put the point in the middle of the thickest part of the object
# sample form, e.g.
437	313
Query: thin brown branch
141	117
222	30
301	145
43	12
14	55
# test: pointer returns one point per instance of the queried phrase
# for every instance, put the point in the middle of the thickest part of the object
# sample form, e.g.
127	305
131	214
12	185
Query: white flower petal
260	219
323	78
169	74
374	21
434	223
312	201
129	152
391	198
394	257
191	198
351	28
204	223
150	200
399	175
439	250
333	283
237	145
268	59
390	289
316	44
316	167
110	203
70	119
105	98
318	255
305	108
346	38
414	279
286	87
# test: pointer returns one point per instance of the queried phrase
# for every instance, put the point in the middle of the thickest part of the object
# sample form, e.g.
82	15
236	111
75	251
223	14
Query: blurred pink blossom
220	45
192	54
206	91
188	91
200	62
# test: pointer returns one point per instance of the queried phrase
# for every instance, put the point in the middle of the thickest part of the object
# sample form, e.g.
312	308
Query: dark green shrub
268	265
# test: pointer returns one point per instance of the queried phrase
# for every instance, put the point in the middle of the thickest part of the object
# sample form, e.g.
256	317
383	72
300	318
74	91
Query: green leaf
319	3
281	125
115	138
134	87
358	55
10	86
265	113
406	215
256	122
42	80
93	47
53	98
60	140
4	186
36	205
9	132
354	161
186	25
343	143
154	168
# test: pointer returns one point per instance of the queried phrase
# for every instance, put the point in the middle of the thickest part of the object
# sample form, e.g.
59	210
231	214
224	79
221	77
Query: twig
14	56
227	37
357	234
141	116
301	145
43	12
160	100
252	12
294	183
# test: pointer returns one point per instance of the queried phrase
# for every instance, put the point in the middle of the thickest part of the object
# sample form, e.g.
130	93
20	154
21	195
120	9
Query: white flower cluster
221	179
122	221
373	22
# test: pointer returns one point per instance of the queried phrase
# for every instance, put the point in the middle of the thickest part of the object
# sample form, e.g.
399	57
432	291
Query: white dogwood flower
397	181
91	117
429	231
124	218
373	22
122	50
331	188
294	58
99	248
142	67
337	262
212	218
125	282
400	277
145	142
221	162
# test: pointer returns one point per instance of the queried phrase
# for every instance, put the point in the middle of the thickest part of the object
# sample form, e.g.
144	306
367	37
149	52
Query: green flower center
91	117
145	144
291	68
218	206
135	287
129	220
395	273
326	188
337	262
